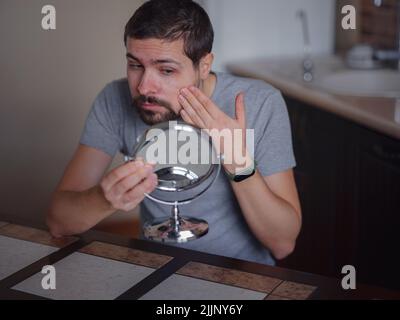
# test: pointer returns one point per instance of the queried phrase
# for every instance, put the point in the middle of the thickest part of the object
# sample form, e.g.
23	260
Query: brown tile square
274	297
230	277
293	290
34	235
129	255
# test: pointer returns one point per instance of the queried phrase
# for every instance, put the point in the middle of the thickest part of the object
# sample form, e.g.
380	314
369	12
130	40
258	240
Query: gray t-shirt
113	125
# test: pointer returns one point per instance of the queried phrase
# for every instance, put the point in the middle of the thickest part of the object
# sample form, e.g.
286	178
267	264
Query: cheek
174	85
171	91
133	81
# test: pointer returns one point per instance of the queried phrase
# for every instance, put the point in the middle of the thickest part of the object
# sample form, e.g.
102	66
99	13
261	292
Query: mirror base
166	230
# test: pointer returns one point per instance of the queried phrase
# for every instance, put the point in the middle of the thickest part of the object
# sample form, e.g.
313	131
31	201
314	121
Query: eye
135	66
167	72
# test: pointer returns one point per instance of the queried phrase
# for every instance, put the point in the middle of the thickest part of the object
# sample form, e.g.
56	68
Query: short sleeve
101	130
273	137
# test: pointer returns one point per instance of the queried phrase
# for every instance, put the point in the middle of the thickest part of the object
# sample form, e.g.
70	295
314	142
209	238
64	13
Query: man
169	59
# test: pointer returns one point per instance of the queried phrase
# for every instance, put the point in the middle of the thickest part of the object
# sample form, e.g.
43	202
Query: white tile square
178	287
16	254
82	276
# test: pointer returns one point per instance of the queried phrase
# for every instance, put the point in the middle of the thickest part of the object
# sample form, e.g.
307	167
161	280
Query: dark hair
172	20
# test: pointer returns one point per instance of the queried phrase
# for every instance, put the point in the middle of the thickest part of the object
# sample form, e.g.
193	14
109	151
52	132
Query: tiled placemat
273	297
230	277
98	271
293	291
34	235
273	288
105	271
17	254
178	287
124	254
21	246
82	276
200	281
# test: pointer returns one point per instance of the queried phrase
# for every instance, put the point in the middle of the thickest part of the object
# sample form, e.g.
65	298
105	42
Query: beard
150	117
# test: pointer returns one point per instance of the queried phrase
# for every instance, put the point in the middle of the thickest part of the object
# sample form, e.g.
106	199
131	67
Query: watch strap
243	174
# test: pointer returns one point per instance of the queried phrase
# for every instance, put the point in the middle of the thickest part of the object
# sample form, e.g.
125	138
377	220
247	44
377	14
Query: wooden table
136	269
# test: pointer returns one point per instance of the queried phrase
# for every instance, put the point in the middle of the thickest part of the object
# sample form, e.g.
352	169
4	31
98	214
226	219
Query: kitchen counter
103	266
380	114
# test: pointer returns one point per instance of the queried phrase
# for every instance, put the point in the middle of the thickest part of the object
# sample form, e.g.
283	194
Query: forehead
156	49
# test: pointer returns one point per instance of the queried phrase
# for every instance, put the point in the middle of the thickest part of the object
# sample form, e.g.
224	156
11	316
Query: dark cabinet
316	181
378	257
349	186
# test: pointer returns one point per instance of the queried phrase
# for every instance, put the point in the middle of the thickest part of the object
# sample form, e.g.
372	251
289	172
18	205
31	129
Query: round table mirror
187	165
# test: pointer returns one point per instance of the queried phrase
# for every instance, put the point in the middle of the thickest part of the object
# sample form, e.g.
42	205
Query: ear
205	65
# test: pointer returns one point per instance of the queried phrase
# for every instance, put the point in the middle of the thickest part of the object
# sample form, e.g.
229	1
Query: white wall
48	80
255	28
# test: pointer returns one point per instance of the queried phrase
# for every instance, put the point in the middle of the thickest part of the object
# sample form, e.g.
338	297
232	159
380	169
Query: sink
361	83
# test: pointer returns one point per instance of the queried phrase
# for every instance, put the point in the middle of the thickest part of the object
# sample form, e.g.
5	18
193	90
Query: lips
149	106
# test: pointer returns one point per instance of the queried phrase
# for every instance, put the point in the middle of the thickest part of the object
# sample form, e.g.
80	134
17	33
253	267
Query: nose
148	84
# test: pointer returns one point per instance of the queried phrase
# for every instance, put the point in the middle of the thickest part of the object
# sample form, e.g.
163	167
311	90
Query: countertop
380	114
97	265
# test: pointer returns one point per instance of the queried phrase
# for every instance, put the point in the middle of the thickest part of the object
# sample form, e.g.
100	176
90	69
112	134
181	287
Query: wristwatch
244	174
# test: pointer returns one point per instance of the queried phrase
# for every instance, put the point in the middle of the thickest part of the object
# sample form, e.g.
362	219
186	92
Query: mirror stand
175	229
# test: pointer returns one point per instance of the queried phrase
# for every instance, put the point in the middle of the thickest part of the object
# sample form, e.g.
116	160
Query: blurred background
341	86
49	79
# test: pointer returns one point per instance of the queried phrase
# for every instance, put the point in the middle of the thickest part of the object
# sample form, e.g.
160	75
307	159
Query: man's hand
200	111
124	187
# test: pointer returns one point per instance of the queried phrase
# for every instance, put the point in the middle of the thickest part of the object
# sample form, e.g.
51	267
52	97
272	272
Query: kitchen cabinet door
378	254
317	138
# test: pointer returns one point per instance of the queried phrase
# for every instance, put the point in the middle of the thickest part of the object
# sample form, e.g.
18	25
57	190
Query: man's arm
270	205
272	210
84	197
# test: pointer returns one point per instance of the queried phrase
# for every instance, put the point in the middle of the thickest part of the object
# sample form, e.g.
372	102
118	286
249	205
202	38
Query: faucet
308	64
389	55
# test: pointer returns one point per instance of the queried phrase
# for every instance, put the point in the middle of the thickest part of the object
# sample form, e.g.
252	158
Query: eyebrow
159	61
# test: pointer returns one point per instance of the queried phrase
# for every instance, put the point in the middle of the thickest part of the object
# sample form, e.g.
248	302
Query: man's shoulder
261	98
114	95
254	87
117	87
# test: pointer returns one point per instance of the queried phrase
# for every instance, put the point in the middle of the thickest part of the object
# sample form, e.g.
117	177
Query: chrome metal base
167	230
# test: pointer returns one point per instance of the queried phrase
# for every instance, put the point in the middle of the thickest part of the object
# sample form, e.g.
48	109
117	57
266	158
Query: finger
189	98
131	181
205	101
148	162
186	117
120	173
241	110
195	116
138	192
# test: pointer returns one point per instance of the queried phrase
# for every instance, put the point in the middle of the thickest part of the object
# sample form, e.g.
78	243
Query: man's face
156	71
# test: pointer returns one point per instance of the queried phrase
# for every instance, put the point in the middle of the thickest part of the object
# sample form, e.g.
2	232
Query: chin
151	118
